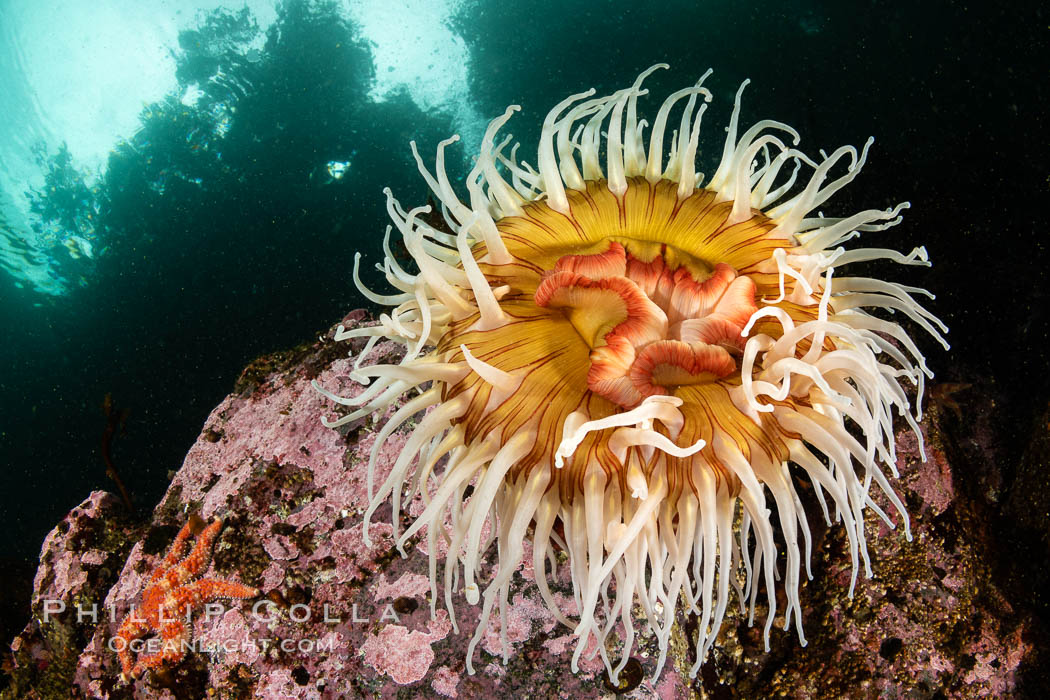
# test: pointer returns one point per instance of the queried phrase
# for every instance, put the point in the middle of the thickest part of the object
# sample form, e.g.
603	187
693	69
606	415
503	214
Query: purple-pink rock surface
337	618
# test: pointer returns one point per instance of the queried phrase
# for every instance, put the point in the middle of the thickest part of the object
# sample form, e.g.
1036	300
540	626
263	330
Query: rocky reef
337	618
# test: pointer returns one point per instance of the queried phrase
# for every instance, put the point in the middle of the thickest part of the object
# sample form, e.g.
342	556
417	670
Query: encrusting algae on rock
293	494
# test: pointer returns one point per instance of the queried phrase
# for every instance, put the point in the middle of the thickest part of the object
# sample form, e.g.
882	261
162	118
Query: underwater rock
337	618
932	622
79	562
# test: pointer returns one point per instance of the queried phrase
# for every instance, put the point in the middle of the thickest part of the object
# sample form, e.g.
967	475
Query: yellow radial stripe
647	214
708	409
593	449
544	348
541	347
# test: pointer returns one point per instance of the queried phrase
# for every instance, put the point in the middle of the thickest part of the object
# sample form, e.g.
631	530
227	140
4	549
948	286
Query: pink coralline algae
408	585
66	571
76	562
337	618
445	682
405	655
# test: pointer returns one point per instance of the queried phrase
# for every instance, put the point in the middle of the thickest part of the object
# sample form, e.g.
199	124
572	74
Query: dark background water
220	249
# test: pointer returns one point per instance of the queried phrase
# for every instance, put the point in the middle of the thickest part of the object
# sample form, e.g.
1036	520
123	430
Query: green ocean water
221	222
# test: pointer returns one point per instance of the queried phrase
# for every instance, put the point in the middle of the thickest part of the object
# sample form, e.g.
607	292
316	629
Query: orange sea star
174	591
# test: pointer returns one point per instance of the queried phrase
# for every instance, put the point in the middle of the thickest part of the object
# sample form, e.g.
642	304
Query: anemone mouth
625	363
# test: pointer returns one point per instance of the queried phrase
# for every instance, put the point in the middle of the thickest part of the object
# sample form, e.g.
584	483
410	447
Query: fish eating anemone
616	358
